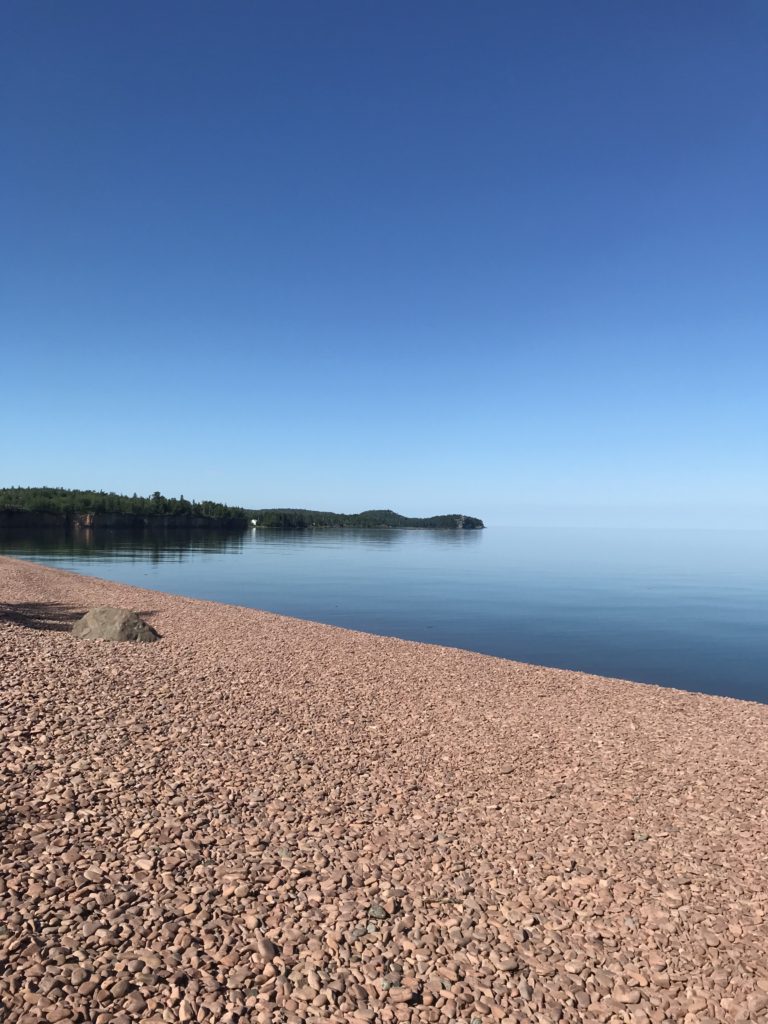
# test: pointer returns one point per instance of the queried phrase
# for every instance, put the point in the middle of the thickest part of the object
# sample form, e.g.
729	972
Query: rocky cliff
25	519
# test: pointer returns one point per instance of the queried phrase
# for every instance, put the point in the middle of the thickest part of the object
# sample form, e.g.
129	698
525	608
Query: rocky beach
267	820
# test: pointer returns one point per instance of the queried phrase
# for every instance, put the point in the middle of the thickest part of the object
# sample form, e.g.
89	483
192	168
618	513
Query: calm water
685	609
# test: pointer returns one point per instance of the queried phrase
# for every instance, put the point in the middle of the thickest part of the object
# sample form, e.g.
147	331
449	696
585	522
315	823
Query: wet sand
265	819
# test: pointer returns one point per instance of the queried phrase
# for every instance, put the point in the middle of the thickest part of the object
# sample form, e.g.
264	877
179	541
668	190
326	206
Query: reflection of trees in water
131	545
176	544
320	535
370	537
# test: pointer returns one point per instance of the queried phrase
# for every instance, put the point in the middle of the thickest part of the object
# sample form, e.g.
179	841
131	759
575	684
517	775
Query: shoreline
539	666
308	822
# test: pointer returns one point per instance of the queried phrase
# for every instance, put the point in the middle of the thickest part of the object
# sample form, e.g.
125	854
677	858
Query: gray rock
113	624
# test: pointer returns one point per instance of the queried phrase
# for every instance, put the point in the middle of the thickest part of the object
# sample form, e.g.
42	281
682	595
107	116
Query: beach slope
263	819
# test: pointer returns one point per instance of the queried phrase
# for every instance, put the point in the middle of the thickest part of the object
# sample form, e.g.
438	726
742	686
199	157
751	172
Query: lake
679	608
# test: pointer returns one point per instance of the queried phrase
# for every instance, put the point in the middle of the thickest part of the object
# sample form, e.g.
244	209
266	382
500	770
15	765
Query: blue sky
507	259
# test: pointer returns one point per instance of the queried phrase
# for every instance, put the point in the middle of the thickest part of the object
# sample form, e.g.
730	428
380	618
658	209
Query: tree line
302	518
64	501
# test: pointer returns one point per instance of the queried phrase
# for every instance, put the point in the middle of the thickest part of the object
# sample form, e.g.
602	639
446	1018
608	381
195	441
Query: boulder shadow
41	615
59	618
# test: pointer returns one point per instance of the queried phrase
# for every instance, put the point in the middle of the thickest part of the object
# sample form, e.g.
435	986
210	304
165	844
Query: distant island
59	506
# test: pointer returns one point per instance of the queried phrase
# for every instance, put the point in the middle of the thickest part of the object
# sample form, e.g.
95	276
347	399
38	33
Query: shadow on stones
59	618
40	615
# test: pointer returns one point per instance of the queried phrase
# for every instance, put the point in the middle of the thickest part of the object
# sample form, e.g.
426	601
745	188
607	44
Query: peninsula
302	518
33	507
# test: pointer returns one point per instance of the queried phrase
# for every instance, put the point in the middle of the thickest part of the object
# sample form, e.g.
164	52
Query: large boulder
113	624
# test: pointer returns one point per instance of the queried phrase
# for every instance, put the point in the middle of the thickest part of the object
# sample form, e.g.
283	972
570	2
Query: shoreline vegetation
62	507
301	519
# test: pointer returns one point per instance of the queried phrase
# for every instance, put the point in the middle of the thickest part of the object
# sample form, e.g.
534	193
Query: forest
62	501
300	518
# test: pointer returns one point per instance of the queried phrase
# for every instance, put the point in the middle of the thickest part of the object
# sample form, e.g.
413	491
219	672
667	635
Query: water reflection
174	544
367	537
682	608
154	545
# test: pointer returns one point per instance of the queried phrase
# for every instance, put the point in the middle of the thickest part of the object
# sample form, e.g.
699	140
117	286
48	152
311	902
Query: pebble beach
268	820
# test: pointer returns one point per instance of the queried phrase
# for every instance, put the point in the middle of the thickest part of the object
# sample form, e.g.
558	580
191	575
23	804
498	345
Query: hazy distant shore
308	822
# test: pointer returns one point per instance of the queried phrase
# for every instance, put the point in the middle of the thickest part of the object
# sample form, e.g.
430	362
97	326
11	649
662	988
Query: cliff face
23	519
123	520
469	523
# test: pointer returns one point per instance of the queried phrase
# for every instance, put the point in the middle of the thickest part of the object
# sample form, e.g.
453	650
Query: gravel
269	820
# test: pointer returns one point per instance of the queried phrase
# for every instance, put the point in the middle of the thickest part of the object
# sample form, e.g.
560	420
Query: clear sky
509	259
